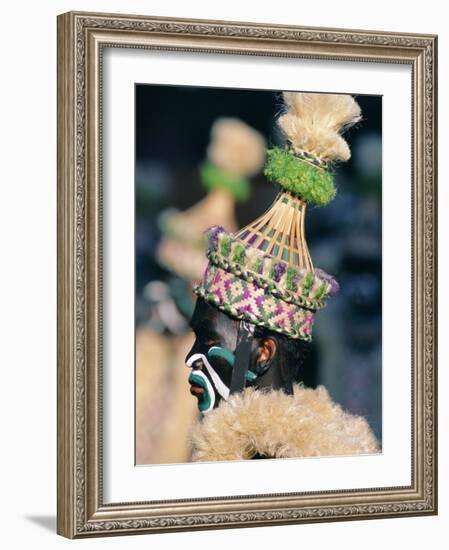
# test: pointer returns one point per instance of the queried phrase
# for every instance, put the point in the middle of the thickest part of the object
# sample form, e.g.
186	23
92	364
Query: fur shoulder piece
276	425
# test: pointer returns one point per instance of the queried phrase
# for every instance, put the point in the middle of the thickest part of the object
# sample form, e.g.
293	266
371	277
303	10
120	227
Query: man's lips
196	390
196	385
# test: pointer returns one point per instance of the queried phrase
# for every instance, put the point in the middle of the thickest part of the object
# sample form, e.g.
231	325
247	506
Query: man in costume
256	306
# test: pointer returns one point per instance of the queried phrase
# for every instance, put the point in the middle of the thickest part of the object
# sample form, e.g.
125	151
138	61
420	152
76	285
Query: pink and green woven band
248	284
245	300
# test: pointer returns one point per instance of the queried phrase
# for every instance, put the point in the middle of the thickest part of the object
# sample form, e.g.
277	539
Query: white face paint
209	389
222	389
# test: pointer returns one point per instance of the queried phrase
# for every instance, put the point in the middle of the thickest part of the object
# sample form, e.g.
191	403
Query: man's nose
198	365
195	363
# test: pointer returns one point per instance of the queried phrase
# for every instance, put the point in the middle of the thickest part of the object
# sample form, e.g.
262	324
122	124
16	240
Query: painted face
211	355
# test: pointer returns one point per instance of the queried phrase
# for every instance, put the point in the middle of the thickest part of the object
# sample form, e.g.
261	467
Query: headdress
235	153
263	275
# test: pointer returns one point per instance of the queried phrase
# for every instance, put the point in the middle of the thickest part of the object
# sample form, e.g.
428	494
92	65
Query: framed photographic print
246	271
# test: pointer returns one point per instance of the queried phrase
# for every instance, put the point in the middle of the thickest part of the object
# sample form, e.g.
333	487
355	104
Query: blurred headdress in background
236	152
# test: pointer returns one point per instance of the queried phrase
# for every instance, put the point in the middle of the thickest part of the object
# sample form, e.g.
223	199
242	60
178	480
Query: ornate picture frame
82	39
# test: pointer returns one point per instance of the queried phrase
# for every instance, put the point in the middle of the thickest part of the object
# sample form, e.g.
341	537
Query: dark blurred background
345	238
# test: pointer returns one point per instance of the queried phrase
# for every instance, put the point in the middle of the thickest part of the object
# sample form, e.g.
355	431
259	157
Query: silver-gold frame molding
81	39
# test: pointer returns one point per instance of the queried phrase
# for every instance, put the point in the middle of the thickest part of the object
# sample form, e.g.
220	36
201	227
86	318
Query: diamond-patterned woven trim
243	299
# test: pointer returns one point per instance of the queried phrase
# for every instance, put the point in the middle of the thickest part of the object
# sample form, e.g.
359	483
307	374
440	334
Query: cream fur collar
276	425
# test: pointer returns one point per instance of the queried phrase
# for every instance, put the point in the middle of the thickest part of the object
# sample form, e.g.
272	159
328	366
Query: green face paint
229	357
204	402
250	376
216	351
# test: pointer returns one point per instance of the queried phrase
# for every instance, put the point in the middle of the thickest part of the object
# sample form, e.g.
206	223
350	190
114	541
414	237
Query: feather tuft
313	123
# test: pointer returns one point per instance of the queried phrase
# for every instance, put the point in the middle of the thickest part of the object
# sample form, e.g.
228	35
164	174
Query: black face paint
242	356
224	358
212	328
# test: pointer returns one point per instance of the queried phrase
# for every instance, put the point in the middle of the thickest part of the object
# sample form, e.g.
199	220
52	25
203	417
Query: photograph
246	271
258	274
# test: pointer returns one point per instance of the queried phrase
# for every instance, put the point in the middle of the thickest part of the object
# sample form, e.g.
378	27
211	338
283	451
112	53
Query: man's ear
266	352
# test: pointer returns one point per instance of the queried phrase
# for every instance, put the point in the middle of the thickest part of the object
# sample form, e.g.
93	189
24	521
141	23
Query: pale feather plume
236	148
313	123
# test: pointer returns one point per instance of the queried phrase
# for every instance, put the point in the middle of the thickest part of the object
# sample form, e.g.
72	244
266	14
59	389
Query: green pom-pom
257	265
213	177
314	185
239	253
321	291
225	245
291	274
307	283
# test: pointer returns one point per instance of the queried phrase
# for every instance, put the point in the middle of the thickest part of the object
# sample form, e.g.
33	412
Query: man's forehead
203	314
207	316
